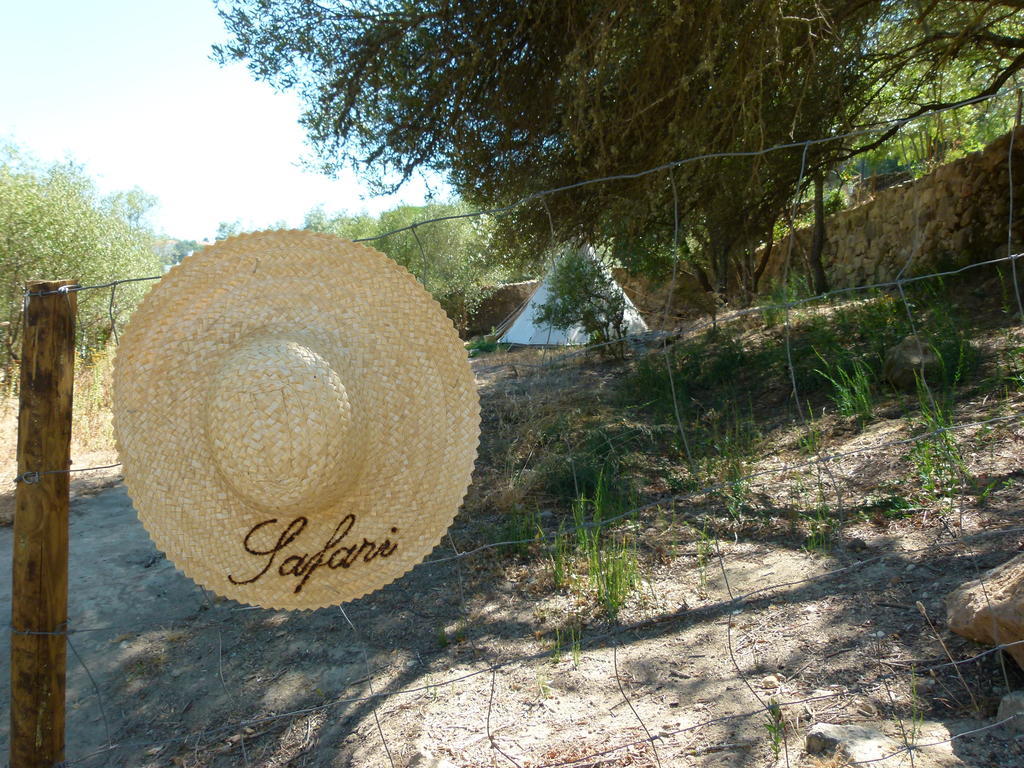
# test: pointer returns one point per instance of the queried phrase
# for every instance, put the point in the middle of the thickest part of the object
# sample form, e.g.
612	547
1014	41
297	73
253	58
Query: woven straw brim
296	417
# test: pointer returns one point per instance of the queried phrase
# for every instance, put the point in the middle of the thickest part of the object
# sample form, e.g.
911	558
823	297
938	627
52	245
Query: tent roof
526	330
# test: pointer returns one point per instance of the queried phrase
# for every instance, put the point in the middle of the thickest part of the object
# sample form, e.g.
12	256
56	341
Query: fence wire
655	741
610	638
209	734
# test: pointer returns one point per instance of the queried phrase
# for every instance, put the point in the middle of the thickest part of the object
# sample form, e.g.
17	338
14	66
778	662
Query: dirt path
186	679
474	661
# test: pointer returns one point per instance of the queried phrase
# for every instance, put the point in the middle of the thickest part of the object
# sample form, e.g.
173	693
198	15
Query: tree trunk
722	271
720	243
702	277
818	236
769	245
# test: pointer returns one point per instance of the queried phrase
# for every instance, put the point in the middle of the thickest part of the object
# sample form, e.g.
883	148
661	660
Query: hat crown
280	425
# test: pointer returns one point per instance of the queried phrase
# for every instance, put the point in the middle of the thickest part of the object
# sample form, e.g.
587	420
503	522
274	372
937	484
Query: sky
126	88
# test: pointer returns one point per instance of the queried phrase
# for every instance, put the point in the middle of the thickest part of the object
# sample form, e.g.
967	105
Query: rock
991	609
771	681
857	743
1012	705
857	544
907	362
424	759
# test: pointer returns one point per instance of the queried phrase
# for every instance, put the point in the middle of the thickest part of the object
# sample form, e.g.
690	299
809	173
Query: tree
55	226
349	226
132	206
226	229
583	291
507	98
182	248
449	257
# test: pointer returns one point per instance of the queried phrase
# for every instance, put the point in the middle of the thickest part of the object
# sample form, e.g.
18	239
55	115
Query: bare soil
475	660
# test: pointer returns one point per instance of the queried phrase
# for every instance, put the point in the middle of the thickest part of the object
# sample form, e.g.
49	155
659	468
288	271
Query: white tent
526	330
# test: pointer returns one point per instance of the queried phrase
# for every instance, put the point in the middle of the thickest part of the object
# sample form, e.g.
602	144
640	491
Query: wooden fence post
39	598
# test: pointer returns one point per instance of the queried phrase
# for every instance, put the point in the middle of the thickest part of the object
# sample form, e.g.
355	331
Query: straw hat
296	417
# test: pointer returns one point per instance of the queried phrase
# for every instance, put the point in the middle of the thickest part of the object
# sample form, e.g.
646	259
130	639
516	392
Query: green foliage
570	636
819	530
55	226
93	424
946	336
483	346
873	325
226	229
615	574
937	459
132	206
611	561
583	291
836	352
724	441
852	388
350	226
926	144
705	551
1009	373
810	442
560	557
892	507
711	377
590	553
780	296
451	258
508	98
577	463
521	525
710	370
178	250
774	726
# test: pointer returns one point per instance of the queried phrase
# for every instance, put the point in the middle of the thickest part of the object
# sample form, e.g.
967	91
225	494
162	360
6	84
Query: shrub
583	291
56	227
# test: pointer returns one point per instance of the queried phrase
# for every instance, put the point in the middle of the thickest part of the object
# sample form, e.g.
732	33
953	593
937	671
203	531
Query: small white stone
858	743
770	681
1012	705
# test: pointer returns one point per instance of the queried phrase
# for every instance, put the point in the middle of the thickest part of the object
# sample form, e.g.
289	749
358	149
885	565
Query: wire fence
734	634
613	638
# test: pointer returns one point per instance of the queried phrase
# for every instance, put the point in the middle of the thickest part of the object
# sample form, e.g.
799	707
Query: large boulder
991	609
909	361
1011	711
856	743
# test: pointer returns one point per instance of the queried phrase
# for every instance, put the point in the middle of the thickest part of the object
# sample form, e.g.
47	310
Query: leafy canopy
55	226
508	98
449	257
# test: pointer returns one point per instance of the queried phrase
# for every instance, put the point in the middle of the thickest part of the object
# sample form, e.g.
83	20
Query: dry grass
92	434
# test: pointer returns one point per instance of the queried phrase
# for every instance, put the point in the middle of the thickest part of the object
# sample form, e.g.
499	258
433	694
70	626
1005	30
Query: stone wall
954	216
496	308
652	299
